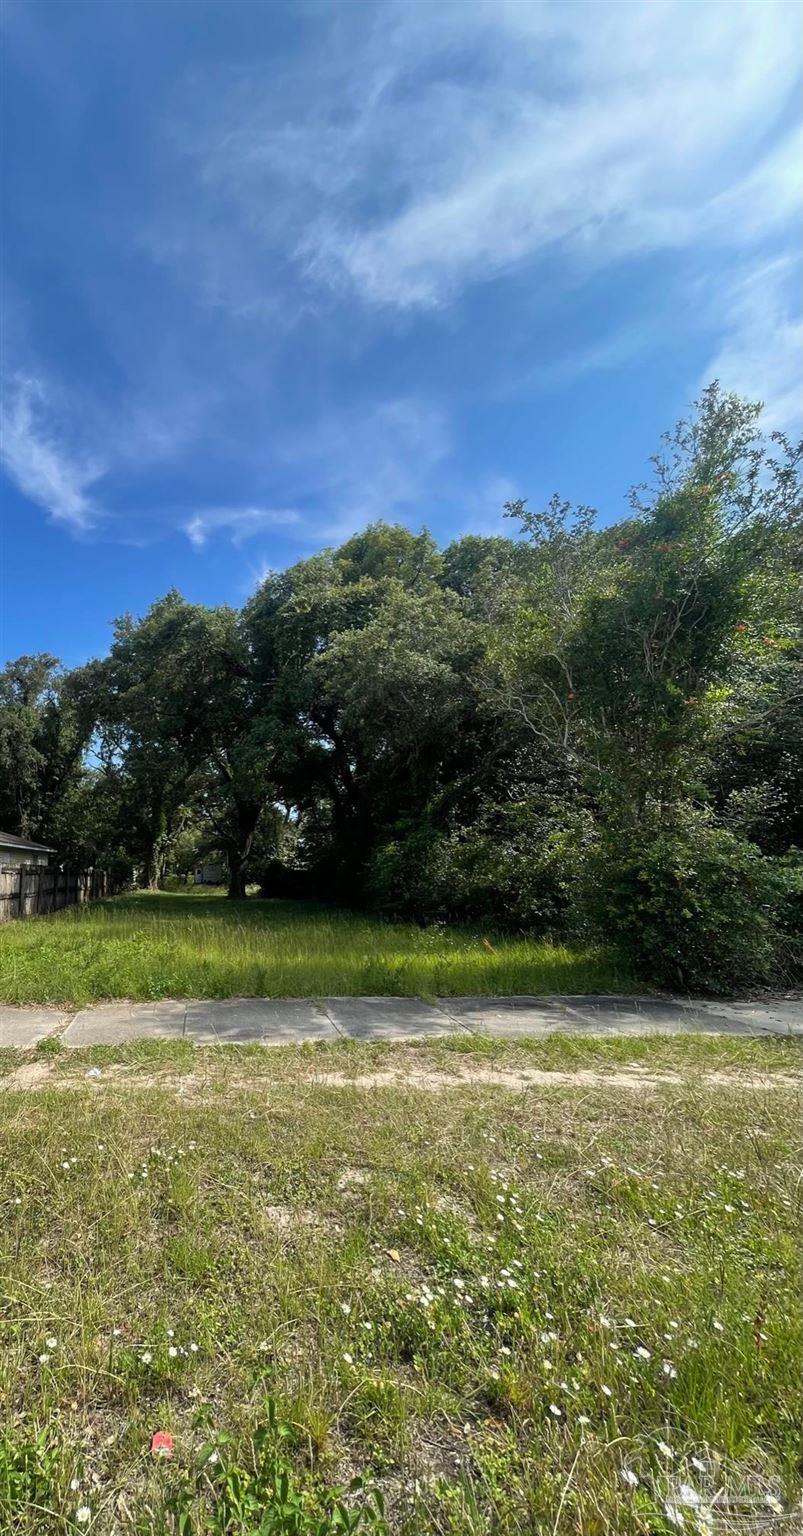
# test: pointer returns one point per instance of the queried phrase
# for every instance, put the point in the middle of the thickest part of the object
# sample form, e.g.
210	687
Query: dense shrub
694	905
517	867
789	869
289	882
172	883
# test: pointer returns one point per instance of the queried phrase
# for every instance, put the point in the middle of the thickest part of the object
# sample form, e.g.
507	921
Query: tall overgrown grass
199	944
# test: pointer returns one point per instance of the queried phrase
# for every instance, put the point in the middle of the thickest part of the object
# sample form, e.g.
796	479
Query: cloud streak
762	346
35	456
240	523
408	179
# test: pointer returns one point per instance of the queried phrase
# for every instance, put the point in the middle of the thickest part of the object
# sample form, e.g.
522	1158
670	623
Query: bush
693	905
173	883
517	868
288	882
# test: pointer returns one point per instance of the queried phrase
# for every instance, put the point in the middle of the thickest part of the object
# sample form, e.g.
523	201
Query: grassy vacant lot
567	1310
198	944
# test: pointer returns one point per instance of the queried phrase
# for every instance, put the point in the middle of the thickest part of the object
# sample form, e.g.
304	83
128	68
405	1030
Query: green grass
494	1309
198	944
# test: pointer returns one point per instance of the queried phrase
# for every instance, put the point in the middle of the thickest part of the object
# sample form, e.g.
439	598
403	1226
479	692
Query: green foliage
29	1474
42	739
516	867
255	1490
695	906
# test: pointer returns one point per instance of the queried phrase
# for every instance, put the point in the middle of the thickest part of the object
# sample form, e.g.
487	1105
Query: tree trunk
155	857
236	889
152	869
239	847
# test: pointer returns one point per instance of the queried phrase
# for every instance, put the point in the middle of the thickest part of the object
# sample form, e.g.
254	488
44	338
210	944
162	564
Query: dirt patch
288	1218
637	1079
197	1086
33	1074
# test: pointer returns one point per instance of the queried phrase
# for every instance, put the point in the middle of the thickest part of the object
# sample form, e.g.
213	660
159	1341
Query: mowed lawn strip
569	1309
198	944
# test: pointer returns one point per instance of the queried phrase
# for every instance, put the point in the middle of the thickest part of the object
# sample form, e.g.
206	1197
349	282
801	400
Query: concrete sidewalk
292	1021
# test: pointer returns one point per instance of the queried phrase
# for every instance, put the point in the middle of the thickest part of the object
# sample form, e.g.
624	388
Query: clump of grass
501	1313
51	1045
184	944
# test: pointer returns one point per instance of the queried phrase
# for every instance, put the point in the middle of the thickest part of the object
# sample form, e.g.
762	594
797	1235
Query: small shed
20	850
210	873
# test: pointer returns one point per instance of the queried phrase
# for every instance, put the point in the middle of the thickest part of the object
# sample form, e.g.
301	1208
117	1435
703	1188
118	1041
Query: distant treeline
575	730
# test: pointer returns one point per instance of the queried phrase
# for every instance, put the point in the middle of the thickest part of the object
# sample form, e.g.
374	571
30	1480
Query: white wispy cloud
239	523
762	347
483	506
343	469
45	467
446	145
380	461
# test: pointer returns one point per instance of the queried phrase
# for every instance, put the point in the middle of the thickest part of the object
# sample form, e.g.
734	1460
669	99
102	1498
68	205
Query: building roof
8	840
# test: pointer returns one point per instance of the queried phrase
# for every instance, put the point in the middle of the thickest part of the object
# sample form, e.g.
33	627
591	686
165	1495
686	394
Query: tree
42	740
369	657
628	642
181	713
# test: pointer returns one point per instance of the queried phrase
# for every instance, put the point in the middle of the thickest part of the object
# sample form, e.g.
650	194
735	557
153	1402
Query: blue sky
275	270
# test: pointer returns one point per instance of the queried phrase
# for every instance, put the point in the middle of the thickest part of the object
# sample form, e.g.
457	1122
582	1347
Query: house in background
19	850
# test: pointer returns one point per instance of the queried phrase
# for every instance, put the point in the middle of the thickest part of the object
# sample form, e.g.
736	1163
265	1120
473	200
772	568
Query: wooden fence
29	890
